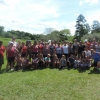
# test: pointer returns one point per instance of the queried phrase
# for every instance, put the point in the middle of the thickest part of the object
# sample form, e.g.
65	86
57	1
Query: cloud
28	15
90	2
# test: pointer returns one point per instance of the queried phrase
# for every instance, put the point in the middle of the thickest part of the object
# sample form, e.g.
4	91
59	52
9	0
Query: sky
35	16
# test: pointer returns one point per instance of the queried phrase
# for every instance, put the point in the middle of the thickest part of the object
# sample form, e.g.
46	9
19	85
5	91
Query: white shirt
65	49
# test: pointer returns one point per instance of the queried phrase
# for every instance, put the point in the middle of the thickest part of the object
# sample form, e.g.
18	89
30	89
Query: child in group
26	64
77	63
35	61
63	62
18	62
56	62
41	59
47	60
70	61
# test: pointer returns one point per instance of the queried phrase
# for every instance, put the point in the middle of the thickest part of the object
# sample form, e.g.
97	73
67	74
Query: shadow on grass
94	72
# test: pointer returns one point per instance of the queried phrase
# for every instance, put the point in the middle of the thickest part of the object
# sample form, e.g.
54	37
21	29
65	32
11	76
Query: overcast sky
35	15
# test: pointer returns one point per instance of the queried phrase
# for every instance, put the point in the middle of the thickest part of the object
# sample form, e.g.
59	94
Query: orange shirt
24	50
2	49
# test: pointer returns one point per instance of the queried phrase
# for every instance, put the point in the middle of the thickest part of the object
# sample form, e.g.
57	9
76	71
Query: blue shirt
96	57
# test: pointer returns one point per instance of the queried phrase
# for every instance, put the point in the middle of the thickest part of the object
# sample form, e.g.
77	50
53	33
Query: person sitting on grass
63	62
26	64
56	62
95	58
2	50
77	63
35	61
47	60
70	61
18	62
41	59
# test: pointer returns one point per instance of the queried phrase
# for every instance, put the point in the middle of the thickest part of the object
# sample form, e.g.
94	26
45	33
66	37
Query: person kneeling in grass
56	62
2	49
47	60
18	62
62	62
35	61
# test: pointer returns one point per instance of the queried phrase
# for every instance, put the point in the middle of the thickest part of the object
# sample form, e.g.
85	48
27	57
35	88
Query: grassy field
6	40
50	84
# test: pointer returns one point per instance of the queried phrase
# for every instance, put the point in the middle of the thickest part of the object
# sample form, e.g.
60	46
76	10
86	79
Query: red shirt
24	50
35	48
11	52
2	49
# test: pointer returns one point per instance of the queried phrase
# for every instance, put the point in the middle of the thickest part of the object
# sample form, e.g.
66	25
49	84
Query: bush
91	37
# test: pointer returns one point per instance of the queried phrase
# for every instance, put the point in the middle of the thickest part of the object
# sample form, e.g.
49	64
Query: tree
95	27
1	30
82	27
48	30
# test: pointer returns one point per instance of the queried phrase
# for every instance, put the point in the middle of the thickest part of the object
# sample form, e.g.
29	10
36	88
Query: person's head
75	40
92	51
58	43
23	43
48	55
11	44
1	43
63	56
13	39
52	42
35	42
55	56
19	56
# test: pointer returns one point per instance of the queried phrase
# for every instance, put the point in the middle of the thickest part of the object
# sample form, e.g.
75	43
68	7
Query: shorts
11	59
59	56
44	56
23	55
95	64
1	60
34	53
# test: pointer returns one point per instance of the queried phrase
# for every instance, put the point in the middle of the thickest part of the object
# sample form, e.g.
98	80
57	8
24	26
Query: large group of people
41	54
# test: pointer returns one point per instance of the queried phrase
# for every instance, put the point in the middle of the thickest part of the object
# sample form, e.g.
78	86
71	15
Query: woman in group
10	55
2	49
34	48
59	51
46	50
23	50
96	58
65	48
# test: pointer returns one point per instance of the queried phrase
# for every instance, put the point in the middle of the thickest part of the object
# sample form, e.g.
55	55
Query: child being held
47	60
62	62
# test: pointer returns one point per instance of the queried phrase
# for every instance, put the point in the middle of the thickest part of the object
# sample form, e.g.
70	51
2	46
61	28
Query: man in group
2	49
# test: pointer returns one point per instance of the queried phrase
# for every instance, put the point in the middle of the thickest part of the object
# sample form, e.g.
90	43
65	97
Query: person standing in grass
2	49
10	55
23	50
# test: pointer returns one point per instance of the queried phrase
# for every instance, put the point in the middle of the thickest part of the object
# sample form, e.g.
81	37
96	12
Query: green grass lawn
50	84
